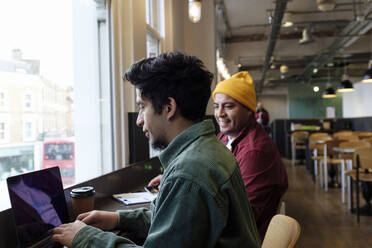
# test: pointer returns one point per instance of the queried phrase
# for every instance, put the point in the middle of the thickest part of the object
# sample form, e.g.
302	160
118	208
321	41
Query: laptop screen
38	204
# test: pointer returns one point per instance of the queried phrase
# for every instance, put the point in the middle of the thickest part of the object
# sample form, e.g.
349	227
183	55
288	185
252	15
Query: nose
139	121
220	112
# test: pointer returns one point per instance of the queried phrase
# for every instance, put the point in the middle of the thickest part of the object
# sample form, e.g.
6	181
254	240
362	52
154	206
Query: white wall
359	102
275	101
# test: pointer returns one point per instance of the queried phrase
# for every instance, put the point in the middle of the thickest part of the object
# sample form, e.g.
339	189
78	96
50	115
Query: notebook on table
39	205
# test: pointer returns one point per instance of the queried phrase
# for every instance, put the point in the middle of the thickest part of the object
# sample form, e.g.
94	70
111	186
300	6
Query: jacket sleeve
185	215
136	221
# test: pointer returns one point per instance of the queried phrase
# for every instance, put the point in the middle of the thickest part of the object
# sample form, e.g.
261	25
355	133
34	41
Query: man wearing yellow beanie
262	170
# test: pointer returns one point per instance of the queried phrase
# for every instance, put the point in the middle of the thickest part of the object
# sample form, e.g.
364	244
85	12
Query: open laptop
38	205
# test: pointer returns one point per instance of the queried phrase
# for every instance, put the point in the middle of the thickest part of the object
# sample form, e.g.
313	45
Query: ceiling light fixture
367	78
316	88
326	5
306	36
287	20
194	10
284	69
329	92
346	85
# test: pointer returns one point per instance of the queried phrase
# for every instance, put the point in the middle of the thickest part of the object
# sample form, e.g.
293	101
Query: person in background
202	200
263	172
262	116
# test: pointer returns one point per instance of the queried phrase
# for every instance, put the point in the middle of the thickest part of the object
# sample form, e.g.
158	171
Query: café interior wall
305	103
200	40
359	102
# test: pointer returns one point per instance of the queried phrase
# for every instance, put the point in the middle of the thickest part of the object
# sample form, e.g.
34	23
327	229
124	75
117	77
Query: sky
42	29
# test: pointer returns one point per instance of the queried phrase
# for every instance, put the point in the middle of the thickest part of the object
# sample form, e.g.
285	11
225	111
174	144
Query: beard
159	144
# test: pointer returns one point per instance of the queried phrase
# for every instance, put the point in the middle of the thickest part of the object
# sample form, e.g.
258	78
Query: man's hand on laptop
100	219
155	181
65	233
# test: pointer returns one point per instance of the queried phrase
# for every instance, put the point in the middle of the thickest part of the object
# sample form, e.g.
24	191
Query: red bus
60	153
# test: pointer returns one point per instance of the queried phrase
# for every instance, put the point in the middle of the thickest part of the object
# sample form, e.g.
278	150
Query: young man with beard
202	201
262	170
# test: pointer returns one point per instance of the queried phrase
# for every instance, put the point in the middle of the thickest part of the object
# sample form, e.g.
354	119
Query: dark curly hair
175	75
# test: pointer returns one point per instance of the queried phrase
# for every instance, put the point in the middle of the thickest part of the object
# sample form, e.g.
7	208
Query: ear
171	108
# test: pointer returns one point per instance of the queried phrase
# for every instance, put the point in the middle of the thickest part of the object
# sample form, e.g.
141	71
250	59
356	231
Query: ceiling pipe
275	30
221	5
348	35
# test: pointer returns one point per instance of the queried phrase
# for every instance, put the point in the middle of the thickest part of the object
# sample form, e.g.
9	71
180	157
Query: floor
324	220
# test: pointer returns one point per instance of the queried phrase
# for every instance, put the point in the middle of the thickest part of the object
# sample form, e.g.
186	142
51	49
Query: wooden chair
298	142
348	137
283	232
369	140
319	134
349	166
362	173
316	144
281	206
330	157
342	133
363	135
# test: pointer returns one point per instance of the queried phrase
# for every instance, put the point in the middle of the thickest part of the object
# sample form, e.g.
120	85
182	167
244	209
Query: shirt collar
184	139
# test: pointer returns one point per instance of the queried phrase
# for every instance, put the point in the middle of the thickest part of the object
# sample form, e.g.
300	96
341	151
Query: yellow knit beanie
240	87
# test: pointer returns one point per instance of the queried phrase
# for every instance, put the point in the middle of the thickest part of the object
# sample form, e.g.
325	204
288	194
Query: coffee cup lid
82	192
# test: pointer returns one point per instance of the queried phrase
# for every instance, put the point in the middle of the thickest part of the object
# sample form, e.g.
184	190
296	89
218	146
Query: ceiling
254	40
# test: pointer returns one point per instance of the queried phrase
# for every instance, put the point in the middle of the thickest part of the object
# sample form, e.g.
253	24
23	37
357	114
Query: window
152	44
2	130
55	68
28	131
155	27
2	100
27	102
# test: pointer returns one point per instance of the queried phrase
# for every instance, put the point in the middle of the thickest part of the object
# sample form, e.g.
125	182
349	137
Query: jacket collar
184	139
243	132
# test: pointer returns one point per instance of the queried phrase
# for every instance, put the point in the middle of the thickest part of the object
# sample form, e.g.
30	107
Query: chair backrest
363	135
330	144
342	133
319	134
365	157
317	142
283	232
348	137
369	140
299	134
354	145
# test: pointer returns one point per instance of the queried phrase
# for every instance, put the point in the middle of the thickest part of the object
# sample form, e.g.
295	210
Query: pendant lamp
329	92
345	86
287	20
367	78
194	10
326	5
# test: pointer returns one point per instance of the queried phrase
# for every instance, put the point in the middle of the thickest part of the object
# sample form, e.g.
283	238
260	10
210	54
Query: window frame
25	101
